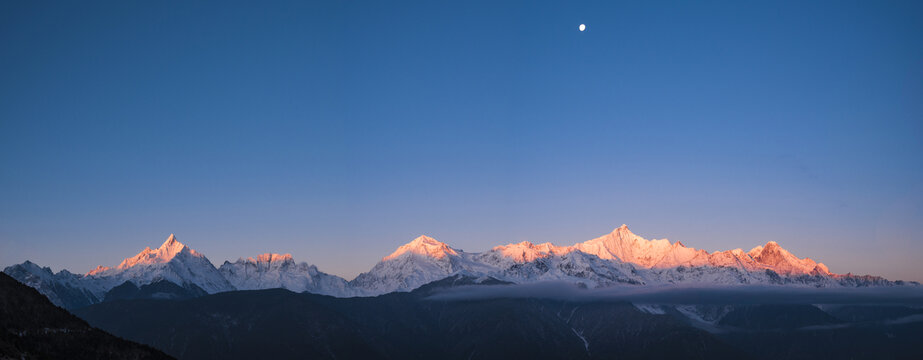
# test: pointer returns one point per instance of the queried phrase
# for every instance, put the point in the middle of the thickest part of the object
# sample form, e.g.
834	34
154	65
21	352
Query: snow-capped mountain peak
773	256
622	244
99	269
619	257
416	263
423	245
281	271
526	251
166	252
172	261
172	245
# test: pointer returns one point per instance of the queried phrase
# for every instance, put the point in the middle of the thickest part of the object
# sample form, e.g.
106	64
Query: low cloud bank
740	294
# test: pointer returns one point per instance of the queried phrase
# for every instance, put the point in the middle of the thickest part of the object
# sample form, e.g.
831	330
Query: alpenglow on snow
619	258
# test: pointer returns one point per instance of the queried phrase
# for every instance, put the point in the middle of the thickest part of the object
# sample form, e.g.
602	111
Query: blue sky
339	130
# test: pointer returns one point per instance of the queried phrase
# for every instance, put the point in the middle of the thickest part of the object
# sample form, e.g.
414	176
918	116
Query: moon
582	27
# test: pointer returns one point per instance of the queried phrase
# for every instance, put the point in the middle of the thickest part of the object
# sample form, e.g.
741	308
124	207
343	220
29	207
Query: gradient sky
338	130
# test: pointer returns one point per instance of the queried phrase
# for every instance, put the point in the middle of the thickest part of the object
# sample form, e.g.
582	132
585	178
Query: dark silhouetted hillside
32	327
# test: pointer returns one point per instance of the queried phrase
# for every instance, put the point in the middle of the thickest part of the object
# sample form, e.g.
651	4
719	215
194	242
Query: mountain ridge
271	270
617	258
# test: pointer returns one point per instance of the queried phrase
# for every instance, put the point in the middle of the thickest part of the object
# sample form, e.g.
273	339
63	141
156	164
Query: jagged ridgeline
619	258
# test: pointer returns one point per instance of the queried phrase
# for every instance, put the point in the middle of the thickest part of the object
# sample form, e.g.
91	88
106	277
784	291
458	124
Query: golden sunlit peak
424	239
622	231
423	245
169	249
171	240
98	270
271	257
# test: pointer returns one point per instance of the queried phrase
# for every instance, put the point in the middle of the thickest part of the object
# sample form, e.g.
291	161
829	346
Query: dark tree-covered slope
32	327
282	324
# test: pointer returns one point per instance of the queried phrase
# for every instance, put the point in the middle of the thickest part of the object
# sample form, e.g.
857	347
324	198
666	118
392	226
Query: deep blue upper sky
339	130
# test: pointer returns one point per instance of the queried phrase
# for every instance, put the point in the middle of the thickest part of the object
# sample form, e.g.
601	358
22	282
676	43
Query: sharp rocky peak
166	252
171	245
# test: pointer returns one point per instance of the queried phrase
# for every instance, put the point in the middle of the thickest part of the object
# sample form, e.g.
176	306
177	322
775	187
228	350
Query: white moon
582	27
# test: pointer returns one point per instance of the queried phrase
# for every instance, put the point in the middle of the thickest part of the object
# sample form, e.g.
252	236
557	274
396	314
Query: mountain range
619	258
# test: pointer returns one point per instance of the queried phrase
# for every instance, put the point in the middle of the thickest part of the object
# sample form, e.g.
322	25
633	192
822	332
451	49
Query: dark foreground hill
283	324
845	332
31	327
437	321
